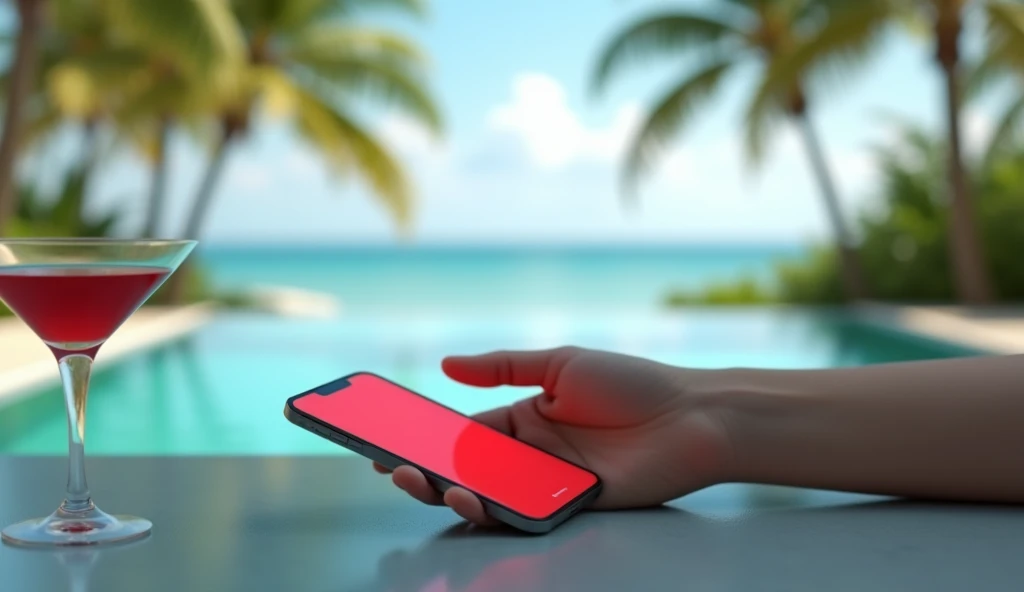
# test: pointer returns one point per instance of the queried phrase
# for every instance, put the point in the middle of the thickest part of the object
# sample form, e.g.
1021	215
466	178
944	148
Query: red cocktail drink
75	293
75	309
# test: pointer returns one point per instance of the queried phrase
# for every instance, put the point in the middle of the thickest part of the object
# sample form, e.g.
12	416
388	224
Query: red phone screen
456	448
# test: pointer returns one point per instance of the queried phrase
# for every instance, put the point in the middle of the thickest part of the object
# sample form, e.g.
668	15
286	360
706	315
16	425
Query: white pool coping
995	330
27	365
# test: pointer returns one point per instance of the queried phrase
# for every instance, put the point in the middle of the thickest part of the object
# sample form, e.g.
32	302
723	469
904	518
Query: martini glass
74	293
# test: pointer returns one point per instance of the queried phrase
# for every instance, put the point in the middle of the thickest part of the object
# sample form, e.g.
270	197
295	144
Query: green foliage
904	248
195	285
310	63
745	292
200	35
667	118
824	57
665	35
342	62
138	68
793	42
814	280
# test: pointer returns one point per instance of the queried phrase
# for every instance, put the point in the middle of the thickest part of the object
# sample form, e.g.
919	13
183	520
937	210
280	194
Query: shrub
904	249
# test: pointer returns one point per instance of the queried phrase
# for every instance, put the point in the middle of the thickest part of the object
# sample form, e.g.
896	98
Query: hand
641	426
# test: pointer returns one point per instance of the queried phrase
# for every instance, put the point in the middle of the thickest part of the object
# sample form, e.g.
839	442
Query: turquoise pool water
222	390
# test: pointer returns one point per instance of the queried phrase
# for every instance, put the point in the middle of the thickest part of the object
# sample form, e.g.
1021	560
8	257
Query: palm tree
1003	61
308	59
973	281
139	68
176	89
944	21
722	39
20	83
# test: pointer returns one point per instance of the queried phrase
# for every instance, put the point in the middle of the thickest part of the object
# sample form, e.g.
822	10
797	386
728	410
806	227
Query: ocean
490	279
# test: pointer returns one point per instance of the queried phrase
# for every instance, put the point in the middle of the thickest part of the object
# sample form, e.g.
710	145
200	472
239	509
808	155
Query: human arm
951	429
943	429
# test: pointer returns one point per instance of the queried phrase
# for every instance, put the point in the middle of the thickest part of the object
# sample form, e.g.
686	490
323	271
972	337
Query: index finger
510	368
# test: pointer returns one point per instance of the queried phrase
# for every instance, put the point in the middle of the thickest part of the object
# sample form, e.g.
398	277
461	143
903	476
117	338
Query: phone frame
392	461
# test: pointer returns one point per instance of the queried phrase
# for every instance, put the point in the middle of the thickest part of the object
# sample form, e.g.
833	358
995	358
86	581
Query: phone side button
354	444
339	438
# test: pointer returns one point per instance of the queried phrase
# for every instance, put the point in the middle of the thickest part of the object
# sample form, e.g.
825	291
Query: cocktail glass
74	293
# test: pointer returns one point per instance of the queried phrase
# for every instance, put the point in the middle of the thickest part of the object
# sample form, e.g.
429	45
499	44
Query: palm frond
828	56
159	96
324	42
667	119
1005	132
254	15
762	118
981	76
411	7
816	11
77	16
112	69
74	93
1006	33
381	80
202	35
352	148
281	16
292	16
278	94
660	35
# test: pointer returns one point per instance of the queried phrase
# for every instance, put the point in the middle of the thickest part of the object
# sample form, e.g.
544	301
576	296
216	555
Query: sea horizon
389	278
505	246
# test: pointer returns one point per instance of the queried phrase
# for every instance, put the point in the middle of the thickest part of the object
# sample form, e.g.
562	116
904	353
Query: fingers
461	501
381	469
413	482
468	506
509	368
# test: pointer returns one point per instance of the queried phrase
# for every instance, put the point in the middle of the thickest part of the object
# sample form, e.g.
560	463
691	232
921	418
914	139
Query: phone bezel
392	461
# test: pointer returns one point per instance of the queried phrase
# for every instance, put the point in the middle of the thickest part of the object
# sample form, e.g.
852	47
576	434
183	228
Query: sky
530	156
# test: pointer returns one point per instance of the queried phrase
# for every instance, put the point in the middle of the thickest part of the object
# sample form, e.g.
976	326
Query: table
329	524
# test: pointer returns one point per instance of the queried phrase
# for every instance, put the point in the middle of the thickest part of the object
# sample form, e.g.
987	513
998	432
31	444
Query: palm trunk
850	269
200	208
971	276
90	158
204	197
23	70
158	182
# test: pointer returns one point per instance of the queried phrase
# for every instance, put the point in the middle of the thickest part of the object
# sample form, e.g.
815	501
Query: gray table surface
332	525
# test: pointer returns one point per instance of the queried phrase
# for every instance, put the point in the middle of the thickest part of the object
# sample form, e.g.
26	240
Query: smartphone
519	484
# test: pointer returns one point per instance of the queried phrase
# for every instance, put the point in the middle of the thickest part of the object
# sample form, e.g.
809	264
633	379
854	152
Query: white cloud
538	169
539	115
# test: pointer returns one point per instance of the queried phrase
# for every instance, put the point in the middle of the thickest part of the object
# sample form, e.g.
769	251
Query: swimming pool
222	390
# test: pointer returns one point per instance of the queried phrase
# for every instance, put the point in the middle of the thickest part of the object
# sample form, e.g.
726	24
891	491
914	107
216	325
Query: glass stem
74	373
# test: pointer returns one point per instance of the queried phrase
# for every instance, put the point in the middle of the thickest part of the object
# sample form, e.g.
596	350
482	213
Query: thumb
510	368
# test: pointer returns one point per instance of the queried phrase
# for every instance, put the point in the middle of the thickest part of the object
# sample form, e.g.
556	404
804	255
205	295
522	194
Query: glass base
88	527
